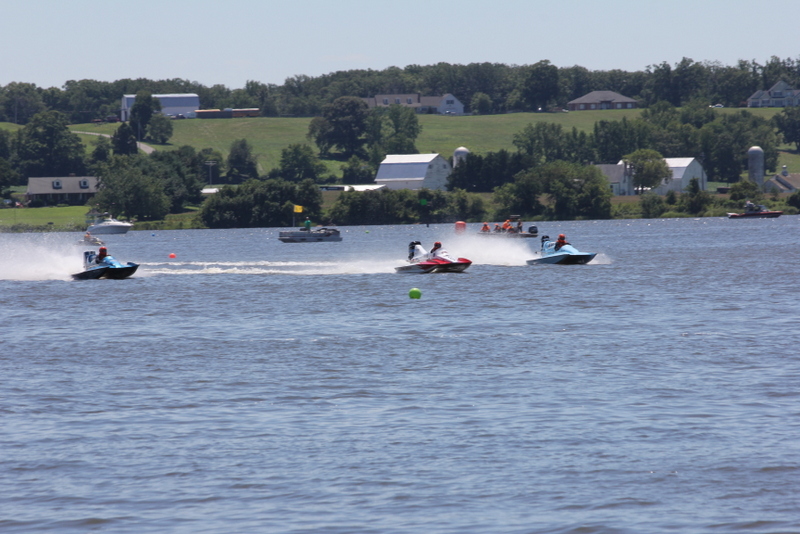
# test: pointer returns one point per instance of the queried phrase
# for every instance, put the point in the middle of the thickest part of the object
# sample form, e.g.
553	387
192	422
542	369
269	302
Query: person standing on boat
561	241
307	224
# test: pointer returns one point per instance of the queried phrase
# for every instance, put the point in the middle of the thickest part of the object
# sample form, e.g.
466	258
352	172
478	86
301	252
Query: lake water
254	386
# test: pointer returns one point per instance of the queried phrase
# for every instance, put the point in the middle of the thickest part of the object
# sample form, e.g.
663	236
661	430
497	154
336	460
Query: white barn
683	170
171	104
414	171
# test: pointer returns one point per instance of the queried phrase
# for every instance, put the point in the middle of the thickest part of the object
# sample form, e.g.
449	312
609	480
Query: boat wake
268	267
22	259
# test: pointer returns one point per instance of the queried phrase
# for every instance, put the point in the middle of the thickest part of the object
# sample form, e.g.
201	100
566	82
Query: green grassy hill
440	134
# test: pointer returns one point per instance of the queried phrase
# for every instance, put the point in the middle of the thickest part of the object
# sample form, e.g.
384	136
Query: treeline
482	87
719	141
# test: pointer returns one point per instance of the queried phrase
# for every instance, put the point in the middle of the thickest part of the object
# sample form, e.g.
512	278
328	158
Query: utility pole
210	163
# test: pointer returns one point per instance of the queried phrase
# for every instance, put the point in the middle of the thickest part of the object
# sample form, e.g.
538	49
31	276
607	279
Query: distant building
602	100
785	182
414	171
172	105
620	176
75	190
778	96
442	105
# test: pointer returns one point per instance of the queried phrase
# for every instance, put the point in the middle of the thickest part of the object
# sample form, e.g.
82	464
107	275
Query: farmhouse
172	105
785	182
442	105
778	96
75	190
601	100
620	177
414	171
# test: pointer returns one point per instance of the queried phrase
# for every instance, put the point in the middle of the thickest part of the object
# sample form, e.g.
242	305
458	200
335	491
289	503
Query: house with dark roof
74	190
785	182
602	100
443	105
779	95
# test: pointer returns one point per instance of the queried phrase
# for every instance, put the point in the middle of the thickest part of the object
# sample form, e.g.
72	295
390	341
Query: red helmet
437	244
562	236
103	249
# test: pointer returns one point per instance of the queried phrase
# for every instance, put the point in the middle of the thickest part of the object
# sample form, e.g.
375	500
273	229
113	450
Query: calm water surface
253	386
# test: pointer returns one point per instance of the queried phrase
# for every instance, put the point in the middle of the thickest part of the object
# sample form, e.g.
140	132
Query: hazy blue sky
48	42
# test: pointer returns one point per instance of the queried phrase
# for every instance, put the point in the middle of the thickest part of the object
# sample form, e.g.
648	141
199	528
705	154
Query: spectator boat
107	224
308	236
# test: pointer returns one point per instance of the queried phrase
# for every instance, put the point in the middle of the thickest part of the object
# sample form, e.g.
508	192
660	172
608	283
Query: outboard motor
412	249
545	239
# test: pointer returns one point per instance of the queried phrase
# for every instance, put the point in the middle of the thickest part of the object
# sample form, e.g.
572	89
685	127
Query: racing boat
420	262
565	255
107	267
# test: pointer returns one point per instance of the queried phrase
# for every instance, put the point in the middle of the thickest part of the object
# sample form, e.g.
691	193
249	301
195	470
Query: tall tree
159	130
298	163
346	126
124	141
46	147
125	190
540	85
242	164
144	107
649	168
788	124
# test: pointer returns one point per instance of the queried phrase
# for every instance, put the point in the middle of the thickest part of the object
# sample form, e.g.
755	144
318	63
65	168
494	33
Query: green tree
649	168
357	171
20	102
8	176
298	163
125	191
788	124
159	130
481	104
123	141
540	85
46	147
102	150
346	125
743	190
144	107
241	163
393	130
652	205
695	199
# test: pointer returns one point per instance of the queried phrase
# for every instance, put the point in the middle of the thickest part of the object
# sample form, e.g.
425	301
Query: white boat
108	225
307	236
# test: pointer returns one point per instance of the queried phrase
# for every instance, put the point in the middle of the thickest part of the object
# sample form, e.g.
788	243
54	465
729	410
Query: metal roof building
171	104
414	171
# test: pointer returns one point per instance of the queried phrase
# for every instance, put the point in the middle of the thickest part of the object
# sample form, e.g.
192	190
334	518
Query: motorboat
420	262
108	225
757	212
89	239
107	267
565	255
511	228
303	235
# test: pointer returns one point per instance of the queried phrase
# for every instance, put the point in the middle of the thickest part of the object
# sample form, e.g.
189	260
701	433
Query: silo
459	155
755	165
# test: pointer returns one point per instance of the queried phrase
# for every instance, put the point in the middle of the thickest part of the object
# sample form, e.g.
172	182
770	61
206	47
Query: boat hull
755	215
118	273
435	266
116	227
91	274
580	258
313	236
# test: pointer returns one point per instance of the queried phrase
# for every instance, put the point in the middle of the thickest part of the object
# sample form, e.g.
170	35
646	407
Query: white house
443	105
683	170
414	171
778	96
171	104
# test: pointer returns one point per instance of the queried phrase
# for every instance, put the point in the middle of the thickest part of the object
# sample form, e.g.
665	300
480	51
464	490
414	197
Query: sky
49	42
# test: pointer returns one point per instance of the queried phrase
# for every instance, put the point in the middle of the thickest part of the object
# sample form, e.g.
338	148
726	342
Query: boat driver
561	241
101	255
